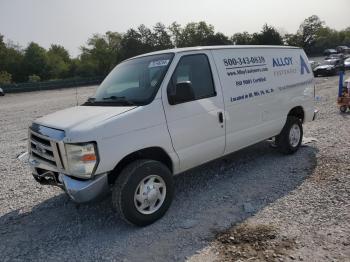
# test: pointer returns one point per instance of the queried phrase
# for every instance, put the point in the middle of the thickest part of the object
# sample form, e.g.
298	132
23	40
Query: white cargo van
159	114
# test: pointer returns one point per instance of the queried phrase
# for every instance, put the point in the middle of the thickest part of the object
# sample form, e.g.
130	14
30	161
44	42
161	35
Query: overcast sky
71	22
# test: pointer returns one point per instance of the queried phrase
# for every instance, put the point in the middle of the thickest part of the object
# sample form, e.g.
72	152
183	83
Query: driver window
196	69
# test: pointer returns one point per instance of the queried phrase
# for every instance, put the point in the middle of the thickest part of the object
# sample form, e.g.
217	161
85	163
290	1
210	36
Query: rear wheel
290	138
143	192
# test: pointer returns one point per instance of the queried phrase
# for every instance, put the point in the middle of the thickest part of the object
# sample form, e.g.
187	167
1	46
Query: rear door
243	74
196	127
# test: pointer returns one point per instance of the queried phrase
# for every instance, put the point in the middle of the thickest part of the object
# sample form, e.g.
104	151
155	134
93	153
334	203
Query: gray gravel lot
305	195
313	218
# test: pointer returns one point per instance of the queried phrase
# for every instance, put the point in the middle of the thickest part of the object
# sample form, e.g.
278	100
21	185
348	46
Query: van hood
79	116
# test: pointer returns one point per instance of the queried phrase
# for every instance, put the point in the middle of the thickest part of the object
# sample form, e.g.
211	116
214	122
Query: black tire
283	141
343	108
123	192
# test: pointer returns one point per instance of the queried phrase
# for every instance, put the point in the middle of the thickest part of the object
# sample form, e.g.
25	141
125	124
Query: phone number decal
244	61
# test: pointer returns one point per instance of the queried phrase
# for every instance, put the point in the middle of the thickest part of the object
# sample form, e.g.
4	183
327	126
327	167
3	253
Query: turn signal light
88	158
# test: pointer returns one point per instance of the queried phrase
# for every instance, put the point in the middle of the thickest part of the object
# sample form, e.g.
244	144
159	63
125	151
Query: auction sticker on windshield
158	63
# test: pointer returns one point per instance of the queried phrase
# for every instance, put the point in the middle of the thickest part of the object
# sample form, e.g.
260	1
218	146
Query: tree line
102	52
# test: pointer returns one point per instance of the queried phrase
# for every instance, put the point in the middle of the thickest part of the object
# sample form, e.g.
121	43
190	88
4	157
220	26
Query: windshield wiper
89	101
121	99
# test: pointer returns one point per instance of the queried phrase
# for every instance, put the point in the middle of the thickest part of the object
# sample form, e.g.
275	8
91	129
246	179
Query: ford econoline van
159	114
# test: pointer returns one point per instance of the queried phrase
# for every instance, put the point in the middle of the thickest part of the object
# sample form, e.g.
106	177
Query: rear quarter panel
260	86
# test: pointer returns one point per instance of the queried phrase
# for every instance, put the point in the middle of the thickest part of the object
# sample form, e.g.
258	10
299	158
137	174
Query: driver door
197	126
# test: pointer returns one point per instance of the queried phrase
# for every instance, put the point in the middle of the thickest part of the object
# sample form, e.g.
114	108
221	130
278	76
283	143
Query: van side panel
260	87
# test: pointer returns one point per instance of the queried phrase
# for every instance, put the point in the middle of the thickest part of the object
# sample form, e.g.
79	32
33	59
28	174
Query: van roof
196	48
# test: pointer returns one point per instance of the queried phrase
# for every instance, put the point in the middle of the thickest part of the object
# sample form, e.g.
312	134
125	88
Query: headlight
82	159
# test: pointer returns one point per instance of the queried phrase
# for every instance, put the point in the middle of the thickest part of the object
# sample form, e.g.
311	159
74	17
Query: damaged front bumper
84	190
79	190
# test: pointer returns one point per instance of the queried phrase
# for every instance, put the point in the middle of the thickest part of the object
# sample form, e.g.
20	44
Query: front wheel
143	192
290	138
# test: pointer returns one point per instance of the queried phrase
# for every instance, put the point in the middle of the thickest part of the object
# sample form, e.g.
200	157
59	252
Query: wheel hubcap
294	135
150	194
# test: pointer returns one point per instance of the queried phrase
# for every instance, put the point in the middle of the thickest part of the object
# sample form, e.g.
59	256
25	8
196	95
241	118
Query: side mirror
180	93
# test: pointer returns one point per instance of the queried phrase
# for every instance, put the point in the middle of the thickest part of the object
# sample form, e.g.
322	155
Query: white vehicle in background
347	63
160	114
313	64
2	93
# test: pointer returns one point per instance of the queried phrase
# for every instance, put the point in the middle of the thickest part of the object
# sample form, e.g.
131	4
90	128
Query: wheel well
154	153
297	112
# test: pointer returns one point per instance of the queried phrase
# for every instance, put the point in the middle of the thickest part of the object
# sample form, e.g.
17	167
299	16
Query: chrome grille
42	149
45	150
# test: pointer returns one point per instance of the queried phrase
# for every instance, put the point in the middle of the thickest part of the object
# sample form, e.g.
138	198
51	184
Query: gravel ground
312	221
294	207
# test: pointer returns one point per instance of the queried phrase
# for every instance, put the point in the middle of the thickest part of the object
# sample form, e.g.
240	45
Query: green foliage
34	78
59	51
100	56
241	38
102	52
293	39
5	78
267	36
314	37
35	61
309	31
57	62
11	58
162	39
195	34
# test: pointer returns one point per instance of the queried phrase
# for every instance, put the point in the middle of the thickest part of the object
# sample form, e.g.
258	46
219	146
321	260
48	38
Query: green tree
58	62
162	39
175	33
133	43
2	52
308	32
241	38
5	78
293	40
35	61
218	39
344	37
268	36
195	34
11	58
101	54
33	79
59	51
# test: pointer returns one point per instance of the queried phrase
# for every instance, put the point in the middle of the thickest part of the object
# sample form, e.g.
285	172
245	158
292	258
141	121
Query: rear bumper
80	191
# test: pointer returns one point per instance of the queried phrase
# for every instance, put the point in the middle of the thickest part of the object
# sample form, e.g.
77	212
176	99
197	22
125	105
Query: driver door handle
221	117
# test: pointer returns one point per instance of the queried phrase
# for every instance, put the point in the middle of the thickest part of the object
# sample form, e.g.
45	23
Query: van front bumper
80	191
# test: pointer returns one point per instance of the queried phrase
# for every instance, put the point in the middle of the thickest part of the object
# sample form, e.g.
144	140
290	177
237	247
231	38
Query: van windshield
133	82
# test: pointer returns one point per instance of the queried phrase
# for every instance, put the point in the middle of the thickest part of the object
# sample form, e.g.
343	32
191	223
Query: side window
193	70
